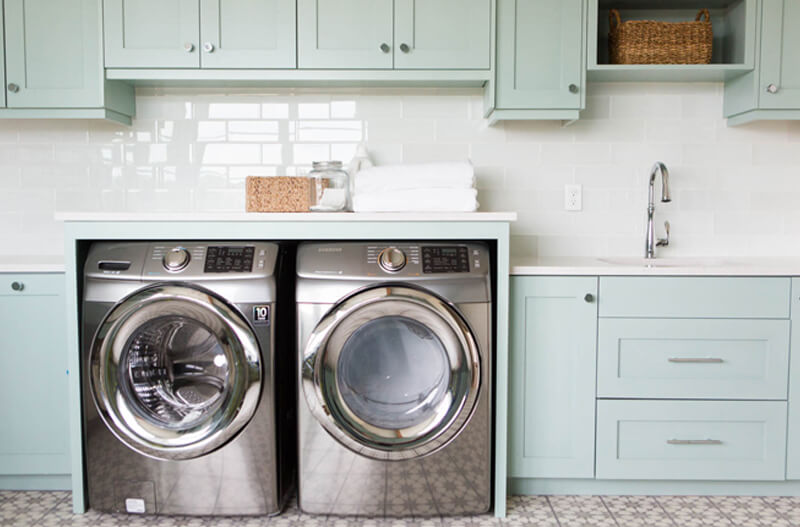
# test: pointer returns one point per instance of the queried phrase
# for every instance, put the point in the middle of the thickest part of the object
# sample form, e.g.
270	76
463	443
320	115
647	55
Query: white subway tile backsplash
735	190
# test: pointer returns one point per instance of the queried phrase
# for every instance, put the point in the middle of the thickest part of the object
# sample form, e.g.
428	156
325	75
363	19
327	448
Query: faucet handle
663	242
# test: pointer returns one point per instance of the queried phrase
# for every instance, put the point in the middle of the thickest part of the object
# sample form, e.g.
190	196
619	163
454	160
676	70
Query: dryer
394	403
182	410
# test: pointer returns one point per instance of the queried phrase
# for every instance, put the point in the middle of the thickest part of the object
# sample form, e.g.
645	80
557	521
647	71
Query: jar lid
326	164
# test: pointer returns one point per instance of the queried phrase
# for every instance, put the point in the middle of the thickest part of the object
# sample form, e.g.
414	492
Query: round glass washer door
175	371
392	372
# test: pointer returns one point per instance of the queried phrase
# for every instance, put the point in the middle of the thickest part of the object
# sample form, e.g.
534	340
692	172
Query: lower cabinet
793	446
34	436
552	383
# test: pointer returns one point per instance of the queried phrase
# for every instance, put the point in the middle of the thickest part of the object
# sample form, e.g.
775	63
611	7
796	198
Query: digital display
229	259
445	260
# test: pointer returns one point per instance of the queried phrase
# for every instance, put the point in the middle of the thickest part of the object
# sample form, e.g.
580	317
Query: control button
176	259
392	259
261	264
262	252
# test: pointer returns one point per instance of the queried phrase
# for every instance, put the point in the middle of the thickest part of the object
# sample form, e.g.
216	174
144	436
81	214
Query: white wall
736	191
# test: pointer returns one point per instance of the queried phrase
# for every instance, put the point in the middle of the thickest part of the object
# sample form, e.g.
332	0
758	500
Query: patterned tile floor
54	509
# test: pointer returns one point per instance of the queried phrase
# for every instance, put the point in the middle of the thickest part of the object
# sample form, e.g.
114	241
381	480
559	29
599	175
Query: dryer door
175	371
392	372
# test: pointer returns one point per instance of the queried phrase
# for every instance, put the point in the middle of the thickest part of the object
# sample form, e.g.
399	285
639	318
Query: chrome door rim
235	337
326	342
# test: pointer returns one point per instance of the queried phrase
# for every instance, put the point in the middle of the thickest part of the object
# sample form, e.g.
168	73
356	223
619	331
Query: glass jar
330	187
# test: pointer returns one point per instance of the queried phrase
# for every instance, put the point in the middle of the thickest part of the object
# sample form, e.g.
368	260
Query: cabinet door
152	33
53	54
539	58
793	444
780	54
552	381
344	34
248	34
442	34
34	438
2	62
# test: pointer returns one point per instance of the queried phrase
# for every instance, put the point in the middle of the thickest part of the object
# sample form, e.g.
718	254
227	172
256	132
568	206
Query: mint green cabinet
793	445
2	62
152	33
442	34
552	334
34	438
540	59
237	34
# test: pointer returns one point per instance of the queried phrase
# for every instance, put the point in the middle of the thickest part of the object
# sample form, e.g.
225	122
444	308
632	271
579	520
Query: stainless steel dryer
179	380
394	408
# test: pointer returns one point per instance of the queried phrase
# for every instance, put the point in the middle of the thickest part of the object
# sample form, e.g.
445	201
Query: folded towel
419	200
409	177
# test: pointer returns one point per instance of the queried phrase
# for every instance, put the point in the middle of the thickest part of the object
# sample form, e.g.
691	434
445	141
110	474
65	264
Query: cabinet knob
772	88
13	88
573	88
17	286
208	47
385	47
589	298
189	47
404	48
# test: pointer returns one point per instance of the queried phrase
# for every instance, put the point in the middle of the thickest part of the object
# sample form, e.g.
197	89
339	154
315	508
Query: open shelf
734	23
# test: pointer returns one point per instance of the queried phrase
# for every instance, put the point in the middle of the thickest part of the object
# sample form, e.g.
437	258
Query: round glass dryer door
392	372
175	371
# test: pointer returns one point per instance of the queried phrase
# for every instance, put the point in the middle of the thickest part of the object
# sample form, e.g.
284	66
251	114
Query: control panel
228	259
445	259
424	259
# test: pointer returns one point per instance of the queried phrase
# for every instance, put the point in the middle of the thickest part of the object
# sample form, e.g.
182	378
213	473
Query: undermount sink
633	261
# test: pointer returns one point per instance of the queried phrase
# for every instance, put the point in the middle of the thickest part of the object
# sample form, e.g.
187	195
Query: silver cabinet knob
589	298
385	47
189	47
772	88
573	88
13	88
404	48
17	286
208	47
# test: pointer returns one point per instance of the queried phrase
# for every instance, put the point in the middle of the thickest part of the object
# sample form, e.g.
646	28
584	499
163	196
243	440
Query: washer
180	399
394	406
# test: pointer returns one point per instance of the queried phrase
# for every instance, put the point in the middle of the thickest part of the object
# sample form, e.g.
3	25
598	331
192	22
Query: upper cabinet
404	34
232	34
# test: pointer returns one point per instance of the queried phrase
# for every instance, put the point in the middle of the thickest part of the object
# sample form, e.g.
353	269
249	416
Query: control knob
392	259
176	259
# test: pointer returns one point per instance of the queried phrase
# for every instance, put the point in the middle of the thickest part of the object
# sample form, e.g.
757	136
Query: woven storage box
651	42
278	194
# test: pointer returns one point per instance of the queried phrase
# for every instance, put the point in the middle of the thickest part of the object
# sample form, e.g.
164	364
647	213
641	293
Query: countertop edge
377	217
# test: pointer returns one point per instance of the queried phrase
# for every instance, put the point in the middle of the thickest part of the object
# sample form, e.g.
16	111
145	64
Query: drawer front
19	284
690	440
693	359
694	297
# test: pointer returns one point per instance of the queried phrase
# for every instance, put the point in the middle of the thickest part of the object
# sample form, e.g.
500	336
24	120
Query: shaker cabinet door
539	54
152	33
344	34
780	55
442	34
53	54
248	34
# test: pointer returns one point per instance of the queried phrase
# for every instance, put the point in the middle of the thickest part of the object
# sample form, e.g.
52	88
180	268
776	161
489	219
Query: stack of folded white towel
429	187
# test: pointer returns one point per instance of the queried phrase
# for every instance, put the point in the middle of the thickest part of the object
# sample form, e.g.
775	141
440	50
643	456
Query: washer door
175	371
392	372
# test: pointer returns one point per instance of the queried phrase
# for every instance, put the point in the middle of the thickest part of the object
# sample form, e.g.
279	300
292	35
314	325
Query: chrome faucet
650	242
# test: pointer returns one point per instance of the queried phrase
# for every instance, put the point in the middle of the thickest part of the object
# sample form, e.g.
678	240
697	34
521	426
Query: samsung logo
329	249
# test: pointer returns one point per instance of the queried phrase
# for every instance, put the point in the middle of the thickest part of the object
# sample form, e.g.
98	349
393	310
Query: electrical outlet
573	197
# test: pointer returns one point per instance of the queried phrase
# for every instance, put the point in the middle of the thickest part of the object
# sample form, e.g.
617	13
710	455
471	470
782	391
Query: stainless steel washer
394	403
179	379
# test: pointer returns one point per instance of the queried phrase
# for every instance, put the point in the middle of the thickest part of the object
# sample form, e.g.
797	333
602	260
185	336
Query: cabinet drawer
711	440
694	297
693	359
31	284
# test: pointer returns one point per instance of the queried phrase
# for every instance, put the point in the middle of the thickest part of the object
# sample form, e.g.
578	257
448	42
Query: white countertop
31	263
289	216
631	266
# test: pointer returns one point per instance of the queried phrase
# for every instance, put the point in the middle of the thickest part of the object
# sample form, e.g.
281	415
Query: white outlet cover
573	197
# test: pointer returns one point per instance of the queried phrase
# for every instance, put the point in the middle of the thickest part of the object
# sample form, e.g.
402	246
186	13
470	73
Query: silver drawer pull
696	360
694	442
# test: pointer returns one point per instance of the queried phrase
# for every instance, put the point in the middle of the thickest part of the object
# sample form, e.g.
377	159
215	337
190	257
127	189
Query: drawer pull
696	360
17	286
694	442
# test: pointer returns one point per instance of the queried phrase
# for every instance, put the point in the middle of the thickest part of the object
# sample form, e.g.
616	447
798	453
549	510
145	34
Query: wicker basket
278	194
651	42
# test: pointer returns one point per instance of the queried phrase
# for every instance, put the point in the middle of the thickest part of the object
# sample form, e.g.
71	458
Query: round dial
392	259
176	259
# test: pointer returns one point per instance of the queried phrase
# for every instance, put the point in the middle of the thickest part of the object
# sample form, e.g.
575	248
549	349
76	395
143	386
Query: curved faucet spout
650	235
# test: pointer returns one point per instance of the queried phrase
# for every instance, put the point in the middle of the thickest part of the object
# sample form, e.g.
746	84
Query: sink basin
633	261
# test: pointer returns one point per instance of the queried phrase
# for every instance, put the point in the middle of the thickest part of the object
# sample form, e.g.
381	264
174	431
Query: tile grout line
661	506
723	513
609	511
778	513
558	522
